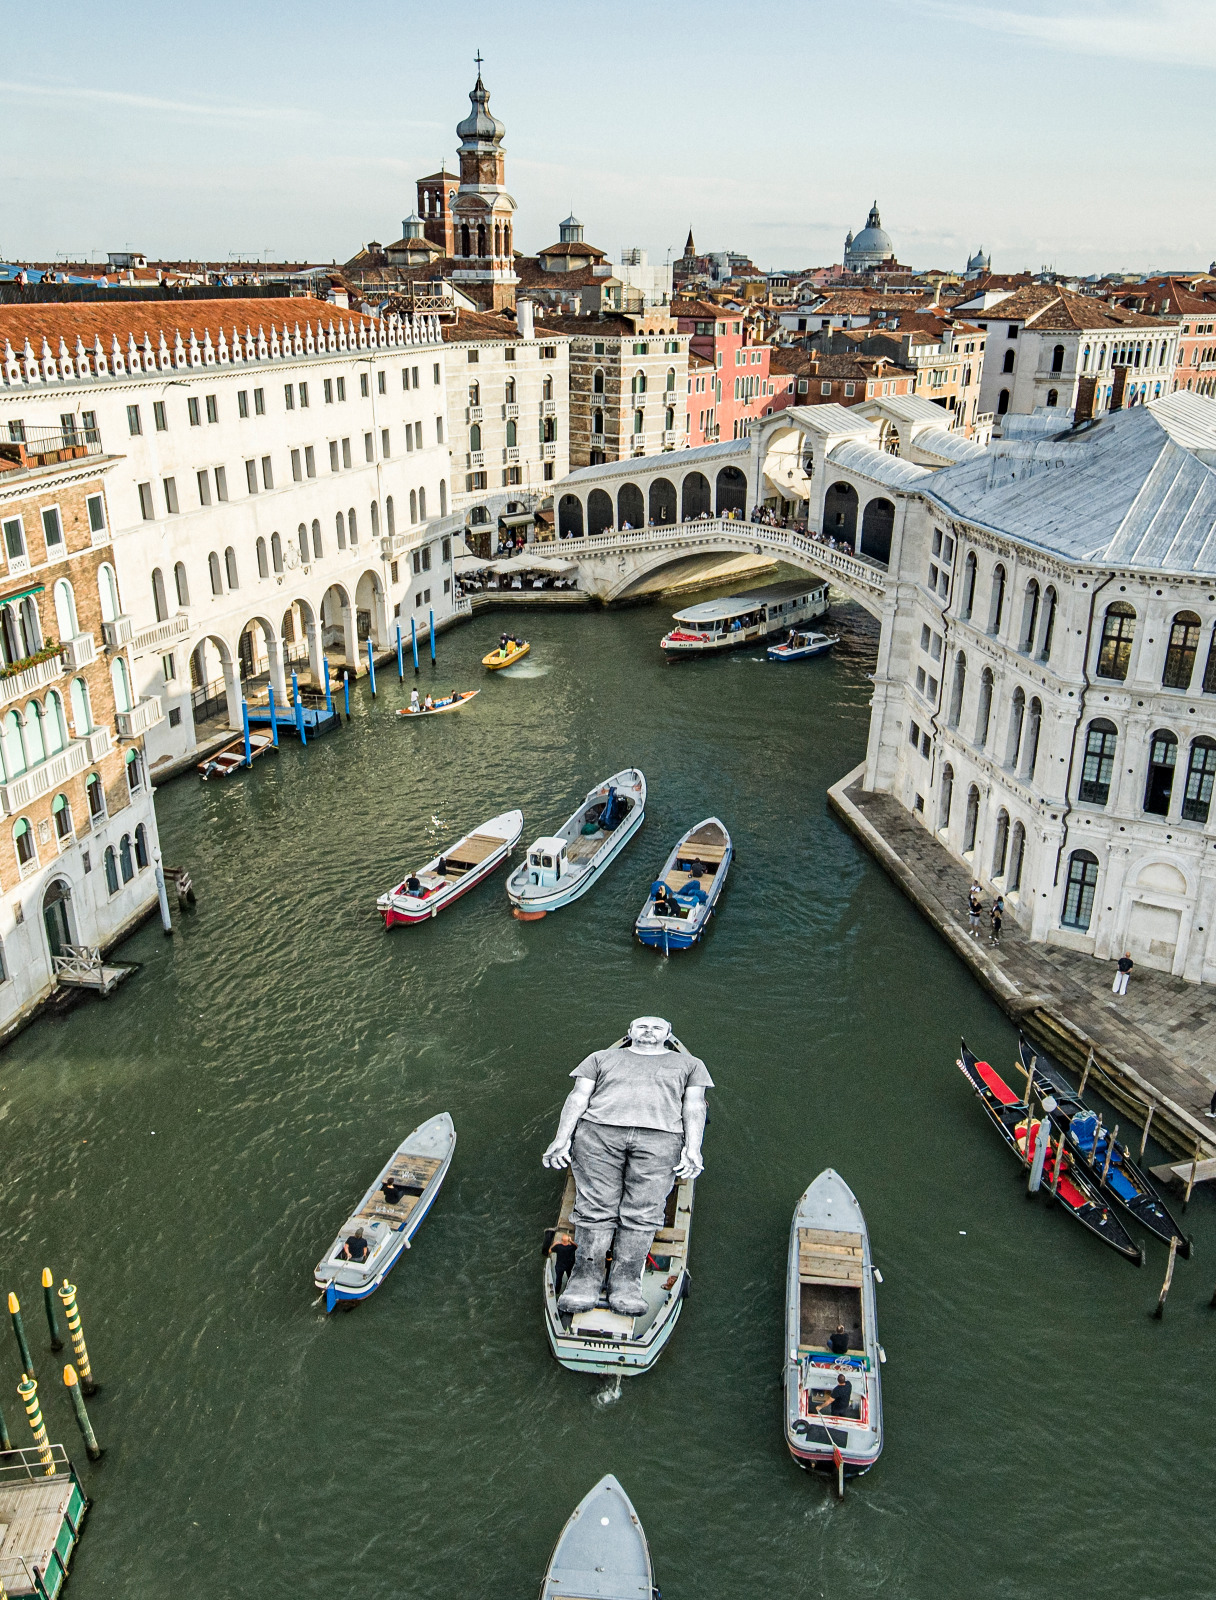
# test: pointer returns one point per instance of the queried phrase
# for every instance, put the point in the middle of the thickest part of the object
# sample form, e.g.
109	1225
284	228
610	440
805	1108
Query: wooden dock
40	1519
81	967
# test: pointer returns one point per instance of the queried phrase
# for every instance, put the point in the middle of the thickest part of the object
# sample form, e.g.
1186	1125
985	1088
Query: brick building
628	385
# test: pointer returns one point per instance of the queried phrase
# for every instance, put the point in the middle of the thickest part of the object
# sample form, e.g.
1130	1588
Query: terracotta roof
702	310
106	320
480	325
532	275
593	252
1043	308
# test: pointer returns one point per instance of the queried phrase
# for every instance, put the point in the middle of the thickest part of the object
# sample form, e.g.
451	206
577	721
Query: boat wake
525	669
609	1394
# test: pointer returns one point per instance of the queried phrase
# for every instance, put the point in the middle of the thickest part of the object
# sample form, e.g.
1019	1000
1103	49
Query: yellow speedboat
516	650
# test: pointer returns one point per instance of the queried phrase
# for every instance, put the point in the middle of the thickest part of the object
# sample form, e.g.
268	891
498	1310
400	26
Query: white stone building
283	466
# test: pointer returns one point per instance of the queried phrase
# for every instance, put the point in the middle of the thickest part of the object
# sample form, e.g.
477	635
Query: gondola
1072	1185
1125	1181
451	703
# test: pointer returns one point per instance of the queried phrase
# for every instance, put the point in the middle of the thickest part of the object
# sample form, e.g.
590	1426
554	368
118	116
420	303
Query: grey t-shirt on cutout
640	1091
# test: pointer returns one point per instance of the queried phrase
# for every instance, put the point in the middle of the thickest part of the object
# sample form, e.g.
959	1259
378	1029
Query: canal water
185	1151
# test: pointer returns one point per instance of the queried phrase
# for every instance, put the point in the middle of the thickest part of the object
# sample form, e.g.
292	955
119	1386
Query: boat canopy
737	605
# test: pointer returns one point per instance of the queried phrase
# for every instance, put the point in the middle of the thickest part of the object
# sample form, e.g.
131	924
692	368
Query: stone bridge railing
864	580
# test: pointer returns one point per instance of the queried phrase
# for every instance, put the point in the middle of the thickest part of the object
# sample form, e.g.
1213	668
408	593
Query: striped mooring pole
28	1390
14	1311
6	1441
48	1299
67	1294
82	1416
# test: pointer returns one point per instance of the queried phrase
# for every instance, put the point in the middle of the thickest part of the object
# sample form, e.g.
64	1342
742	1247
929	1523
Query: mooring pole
400	656
1144	1135
245	730
82	1416
274	721
371	665
14	1311
1169	1273
166	921
28	1390
1085	1075
414	643
67	1293
48	1296
1110	1150
6	1442
1190	1182
346	692
329	699
432	637
299	709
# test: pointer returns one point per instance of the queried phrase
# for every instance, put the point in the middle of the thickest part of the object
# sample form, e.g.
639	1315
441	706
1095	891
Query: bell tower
483	213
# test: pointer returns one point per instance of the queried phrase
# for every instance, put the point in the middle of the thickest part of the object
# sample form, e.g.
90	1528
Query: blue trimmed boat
801	646
683	896
562	866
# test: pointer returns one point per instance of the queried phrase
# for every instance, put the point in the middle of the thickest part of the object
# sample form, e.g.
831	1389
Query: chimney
523	319
1120	383
1087	391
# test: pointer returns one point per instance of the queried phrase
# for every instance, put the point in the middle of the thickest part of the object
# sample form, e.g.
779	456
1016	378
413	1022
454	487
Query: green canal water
185	1151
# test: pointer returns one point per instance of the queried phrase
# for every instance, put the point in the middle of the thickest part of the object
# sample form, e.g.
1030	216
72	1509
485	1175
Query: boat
562	866
223	763
516	650
741	619
417	1167
694	875
1111	1166
1071	1185
452	703
830	1280
801	646
601	1553
453	872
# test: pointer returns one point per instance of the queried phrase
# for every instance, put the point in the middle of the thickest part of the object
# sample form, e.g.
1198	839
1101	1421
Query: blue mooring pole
414	641
432	638
245	726
346	692
400	660
295	695
329	699
274	719
371	666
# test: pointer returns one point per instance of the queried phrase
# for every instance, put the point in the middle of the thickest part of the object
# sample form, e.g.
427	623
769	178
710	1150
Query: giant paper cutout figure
631	1127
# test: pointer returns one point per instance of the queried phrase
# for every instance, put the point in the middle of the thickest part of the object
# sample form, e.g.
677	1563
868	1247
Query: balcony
671	436
548	408
597	439
117	633
511	453
160	634
80	651
49	447
31	679
474	413
637	441
511	409
477	458
149	711
550	448
47	775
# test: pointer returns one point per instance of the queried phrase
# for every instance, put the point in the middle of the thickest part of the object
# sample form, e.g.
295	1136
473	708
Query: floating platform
40	1518
316	719
82	967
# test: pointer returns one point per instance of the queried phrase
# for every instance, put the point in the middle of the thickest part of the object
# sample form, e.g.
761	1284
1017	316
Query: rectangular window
417	561
14	538
932	688
418	598
384	449
159	416
920	680
341	388
259	402
204	487
267	474
175	721
363	385
474	356
134	425
297	467
289	396
426	558
933	575
145	505
97	514
369	447
328	389
346	452
550	472
511	475
426	597
382	382
825	387
169	667
438	430
548	352
88	421
447	582
914	735
221	483
303	397
213	409
251	476
447	549
434	373
509	353
925	635
170	487
242	402
333	455
310	461
52	529
405	377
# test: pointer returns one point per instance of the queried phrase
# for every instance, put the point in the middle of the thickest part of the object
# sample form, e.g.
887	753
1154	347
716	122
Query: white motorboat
562	866
692	878
601	1553
741	619
801	646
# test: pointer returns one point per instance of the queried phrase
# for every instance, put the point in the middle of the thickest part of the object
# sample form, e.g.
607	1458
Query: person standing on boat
631	1127
414	706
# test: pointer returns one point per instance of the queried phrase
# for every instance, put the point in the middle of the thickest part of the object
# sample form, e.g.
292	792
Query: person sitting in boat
664	902
838	1342
428	704
413	885
441	866
356	1247
840	1398
696	868
631	1127
392	1191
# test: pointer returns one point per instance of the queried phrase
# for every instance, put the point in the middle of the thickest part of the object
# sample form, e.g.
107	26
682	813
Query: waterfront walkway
1155	1046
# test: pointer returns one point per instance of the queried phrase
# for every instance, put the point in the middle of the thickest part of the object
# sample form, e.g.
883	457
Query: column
278	680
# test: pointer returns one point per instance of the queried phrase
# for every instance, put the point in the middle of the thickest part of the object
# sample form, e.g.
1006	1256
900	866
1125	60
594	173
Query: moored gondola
1063	1177
1109	1163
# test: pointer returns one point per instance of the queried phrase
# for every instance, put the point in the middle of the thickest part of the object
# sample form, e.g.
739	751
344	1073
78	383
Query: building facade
483	213
628	385
743	386
80	853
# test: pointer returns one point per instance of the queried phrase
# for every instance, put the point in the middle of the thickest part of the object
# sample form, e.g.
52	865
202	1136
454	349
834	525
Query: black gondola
1126	1182
1071	1185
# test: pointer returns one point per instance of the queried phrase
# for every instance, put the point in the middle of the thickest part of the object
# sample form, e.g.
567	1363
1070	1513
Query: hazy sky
1068	132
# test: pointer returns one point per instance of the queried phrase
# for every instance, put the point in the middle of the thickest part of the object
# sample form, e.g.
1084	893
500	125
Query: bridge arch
630	507
694	496
877	526
599	512
840	512
570	517
732	491
663	507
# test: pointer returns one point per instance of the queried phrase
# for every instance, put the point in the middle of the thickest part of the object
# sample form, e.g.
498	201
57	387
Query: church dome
479	124
873	240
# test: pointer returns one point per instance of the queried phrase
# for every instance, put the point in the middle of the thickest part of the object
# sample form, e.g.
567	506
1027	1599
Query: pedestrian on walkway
973	911
1122	973
996	916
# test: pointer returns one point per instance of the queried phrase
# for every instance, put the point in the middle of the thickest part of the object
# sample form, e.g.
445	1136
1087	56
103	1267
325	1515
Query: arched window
302	541
111	866
639	422
1030	617
180	584
54	725
61	812
638	385
996	604
1098	767
669	418
1180	654
1201	773
11	637
159	603
1000	847
671	380
142	856
352	527
107	586
422	505
316	539
35	747
443	497
1162	758
546	389
96	796
1050	602
1079	890
276	552
121	682
474	393
512	434
597	381
464	240
82	710
1053	397
65	606
984	715
972	820
1057	359
31	626
1002	402
213	566
970	569
509	392
481	239
340	525
374	513
1115	650
1017	715
230	567
1101	357
958	689
475	438
263	564
1085	354
945	798
1030	744
23	839
1008	365
125	860
413	506
135	771
1016	856
390	519
12	745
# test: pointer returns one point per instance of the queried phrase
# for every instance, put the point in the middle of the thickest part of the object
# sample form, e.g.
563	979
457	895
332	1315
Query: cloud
192	110
1171	32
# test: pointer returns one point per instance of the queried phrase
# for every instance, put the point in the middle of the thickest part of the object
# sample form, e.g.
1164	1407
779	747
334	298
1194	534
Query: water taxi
802	646
683	896
506	655
830	1282
602	1551
452	702
425	893
389	1214
745	618
562	866
223	763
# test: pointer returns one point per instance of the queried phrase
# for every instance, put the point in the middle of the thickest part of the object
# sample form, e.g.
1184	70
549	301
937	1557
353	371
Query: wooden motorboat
693	876
562	866
515	651
1109	1162
830	1280
223	763
424	894
415	1172
1064	1178
452	703
801	646
601	1553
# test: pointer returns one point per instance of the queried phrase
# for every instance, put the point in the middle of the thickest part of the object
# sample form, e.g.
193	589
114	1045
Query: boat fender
882	1355
877	1275
686	1289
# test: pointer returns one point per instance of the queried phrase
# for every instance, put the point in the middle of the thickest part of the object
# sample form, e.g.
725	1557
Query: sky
1066	133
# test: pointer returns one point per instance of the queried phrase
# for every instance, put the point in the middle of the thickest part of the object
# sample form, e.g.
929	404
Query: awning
526	563
463	564
20	594
516	519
